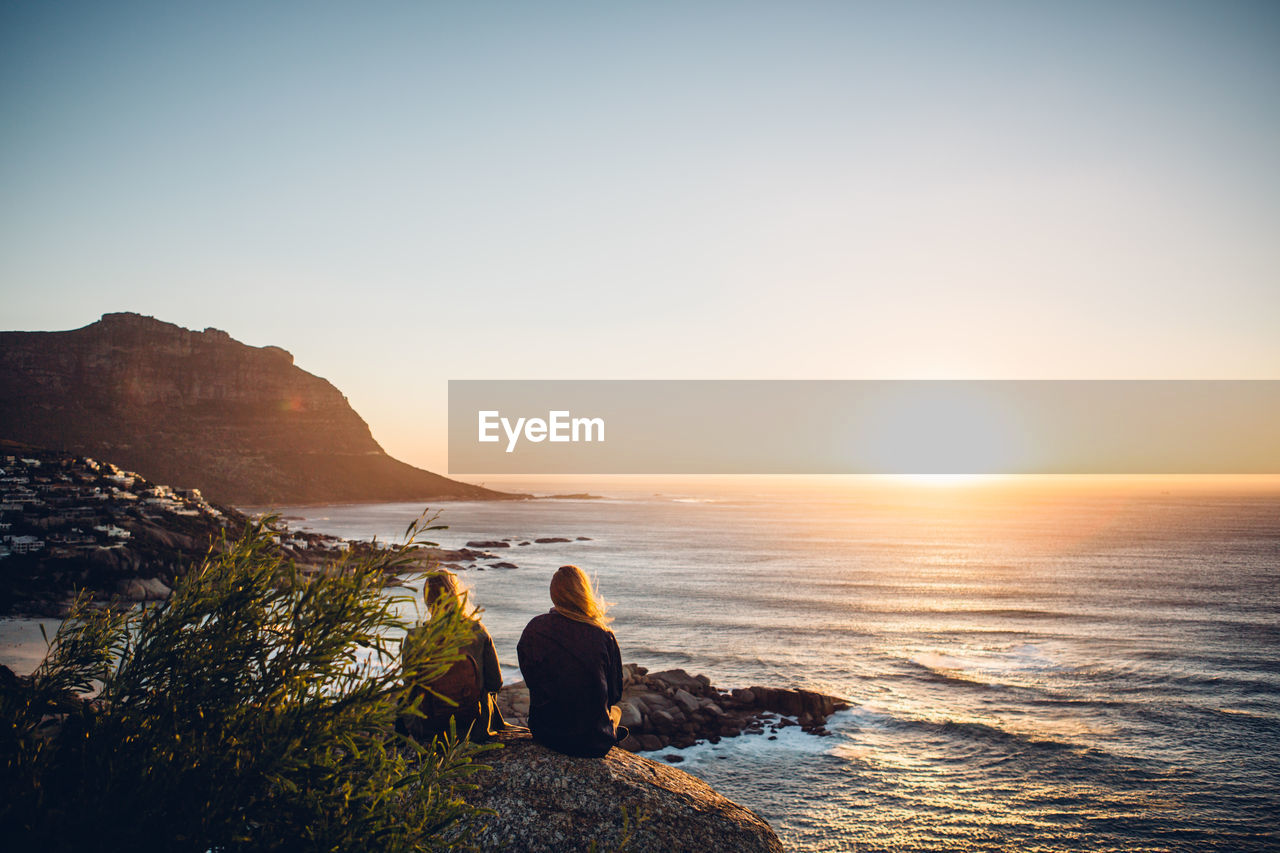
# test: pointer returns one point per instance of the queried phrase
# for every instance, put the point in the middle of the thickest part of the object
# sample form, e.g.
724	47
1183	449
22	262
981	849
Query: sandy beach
21	646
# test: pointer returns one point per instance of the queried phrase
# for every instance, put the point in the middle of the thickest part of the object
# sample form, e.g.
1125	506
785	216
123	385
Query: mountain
200	410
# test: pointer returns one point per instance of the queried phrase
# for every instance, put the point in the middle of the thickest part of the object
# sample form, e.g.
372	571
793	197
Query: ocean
1033	664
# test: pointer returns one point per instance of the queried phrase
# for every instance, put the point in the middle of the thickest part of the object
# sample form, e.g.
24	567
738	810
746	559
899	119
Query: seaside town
66	506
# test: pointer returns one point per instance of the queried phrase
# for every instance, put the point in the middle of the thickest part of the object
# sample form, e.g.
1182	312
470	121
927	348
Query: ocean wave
1013	742
994	670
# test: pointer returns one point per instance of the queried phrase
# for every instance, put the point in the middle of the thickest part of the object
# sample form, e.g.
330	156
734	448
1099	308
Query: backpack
460	682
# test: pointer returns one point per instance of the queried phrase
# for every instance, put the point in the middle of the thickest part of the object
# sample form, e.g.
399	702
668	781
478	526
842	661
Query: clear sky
403	193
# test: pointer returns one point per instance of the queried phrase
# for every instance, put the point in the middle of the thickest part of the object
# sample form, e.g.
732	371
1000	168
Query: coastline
991	691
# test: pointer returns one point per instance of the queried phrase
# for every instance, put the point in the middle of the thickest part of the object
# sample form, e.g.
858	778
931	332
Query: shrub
252	710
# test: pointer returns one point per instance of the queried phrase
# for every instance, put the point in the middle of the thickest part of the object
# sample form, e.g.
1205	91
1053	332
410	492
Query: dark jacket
483	717
574	674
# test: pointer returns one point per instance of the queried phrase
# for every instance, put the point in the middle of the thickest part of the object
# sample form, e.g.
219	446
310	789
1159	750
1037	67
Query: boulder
630	715
513	702
678	679
550	540
632	673
632	744
652	701
788	702
650	742
143	589
687	700
503	565
156	589
488	543
545	801
662	721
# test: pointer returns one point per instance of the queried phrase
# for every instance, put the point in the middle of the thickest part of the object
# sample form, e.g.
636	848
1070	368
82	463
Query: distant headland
243	424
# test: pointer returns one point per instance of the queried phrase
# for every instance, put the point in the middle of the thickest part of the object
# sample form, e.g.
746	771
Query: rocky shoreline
673	709
477	553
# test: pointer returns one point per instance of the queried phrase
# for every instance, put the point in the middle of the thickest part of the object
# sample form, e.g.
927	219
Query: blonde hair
442	584
575	596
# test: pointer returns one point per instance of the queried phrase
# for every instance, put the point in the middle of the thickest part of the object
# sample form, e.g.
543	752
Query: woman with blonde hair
471	684
573	669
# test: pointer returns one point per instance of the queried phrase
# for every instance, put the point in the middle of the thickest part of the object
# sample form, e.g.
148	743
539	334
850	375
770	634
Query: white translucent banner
863	427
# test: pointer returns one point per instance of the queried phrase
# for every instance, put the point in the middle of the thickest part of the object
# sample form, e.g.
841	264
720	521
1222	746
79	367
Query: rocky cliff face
554	803
199	409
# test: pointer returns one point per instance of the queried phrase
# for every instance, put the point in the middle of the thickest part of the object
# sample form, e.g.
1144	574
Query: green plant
252	710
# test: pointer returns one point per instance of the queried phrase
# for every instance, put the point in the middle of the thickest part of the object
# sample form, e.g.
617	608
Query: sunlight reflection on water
1045	671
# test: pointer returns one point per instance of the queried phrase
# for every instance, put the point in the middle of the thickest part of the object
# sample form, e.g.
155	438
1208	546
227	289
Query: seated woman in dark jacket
471	683
572	666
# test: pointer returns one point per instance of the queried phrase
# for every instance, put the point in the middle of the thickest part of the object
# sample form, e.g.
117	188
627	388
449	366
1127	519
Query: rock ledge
550	802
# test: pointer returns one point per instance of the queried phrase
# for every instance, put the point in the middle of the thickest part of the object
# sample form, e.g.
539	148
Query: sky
405	193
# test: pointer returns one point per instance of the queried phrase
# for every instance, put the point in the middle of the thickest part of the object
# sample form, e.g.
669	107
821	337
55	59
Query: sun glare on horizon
945	480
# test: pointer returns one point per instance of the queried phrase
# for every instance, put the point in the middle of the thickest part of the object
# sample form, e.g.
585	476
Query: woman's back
471	682
573	670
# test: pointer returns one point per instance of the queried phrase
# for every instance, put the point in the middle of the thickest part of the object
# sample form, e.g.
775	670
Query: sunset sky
405	193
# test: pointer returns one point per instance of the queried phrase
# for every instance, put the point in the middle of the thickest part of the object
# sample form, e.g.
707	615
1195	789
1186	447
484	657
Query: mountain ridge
202	410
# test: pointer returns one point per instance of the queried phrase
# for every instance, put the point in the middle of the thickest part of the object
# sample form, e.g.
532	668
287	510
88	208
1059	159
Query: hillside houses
63	505
74	523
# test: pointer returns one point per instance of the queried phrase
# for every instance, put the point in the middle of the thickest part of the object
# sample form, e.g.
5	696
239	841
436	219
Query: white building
24	544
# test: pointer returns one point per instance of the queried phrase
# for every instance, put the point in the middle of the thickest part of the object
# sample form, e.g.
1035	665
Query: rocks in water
545	801
524	543
429	557
797	703
584	539
503	565
488	543
550	540
676	709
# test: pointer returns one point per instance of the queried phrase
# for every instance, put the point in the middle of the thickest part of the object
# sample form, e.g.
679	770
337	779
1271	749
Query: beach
22	646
